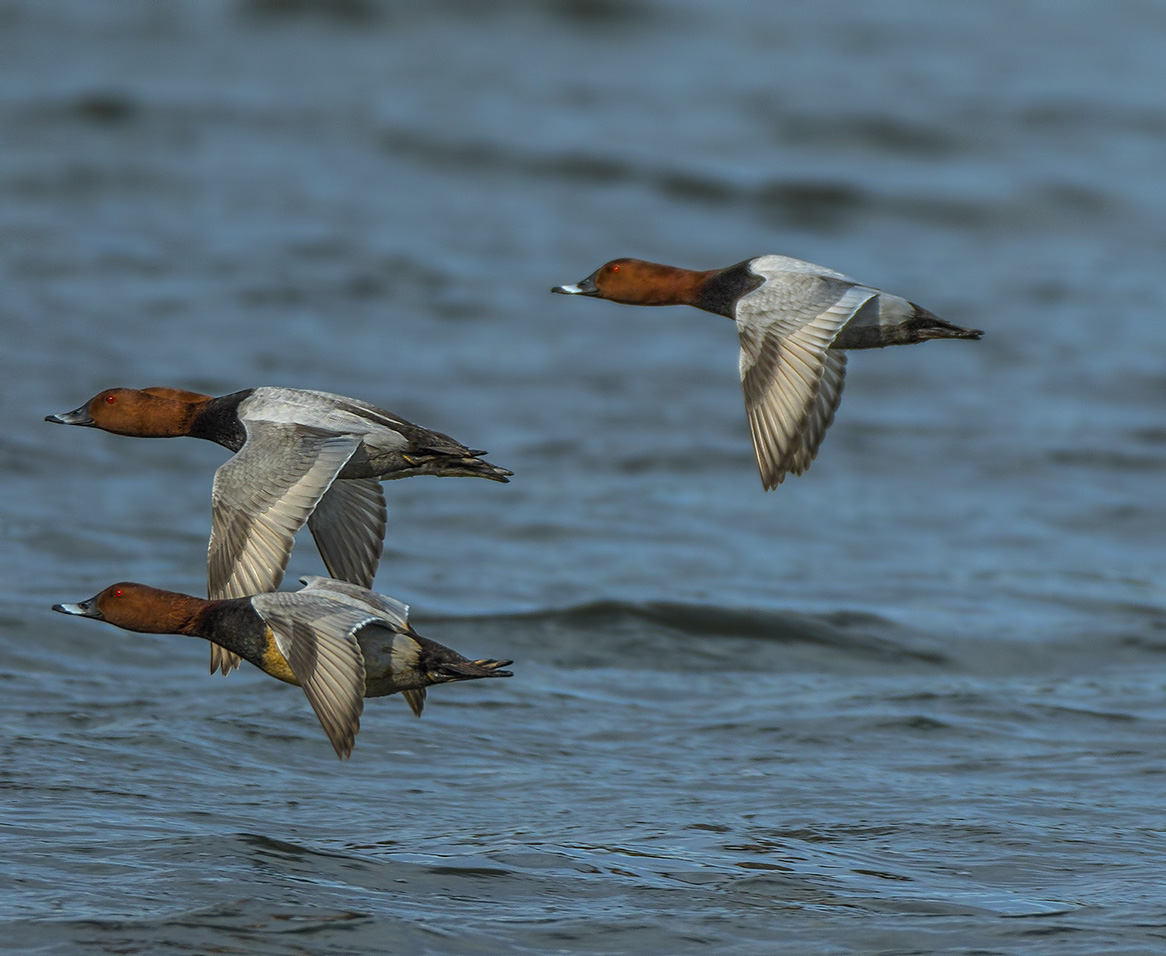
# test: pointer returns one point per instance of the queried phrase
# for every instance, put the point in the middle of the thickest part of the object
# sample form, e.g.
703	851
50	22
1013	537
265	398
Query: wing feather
348	525
317	637
389	609
260	499
791	380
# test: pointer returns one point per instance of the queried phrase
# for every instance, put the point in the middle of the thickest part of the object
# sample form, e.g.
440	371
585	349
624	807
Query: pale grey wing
389	609
260	499
349	527
821	415
792	382
317	638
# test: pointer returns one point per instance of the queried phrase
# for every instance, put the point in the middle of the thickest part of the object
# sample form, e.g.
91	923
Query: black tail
465	464
927	325
470	670
480	468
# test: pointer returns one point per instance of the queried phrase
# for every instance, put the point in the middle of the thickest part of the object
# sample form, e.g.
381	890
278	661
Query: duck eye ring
109	399
117	592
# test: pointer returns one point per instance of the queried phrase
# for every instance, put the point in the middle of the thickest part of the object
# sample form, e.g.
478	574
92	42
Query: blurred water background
914	702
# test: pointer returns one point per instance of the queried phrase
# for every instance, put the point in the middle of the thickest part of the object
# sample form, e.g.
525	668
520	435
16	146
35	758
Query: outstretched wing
389	609
349	527
260	499
317	639
791	380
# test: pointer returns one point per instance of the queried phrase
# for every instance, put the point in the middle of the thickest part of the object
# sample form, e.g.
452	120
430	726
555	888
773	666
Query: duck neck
193	617
719	290
232	623
217	420
685	287
657	284
154	611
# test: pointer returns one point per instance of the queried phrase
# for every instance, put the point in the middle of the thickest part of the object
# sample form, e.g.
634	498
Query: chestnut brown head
138	607
155	412
636	282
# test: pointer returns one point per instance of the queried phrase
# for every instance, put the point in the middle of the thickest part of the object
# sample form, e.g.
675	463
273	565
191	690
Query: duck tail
456	463
927	325
476	467
471	670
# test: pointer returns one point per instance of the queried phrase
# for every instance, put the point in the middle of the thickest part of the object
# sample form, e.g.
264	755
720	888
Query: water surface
911	702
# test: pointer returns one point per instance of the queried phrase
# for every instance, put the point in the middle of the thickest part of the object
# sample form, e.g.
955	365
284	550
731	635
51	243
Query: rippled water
911	702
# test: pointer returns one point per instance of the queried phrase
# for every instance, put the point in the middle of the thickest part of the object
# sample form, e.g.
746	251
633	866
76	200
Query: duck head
155	412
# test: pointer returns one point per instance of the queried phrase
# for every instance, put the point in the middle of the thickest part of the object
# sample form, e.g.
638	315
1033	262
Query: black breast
720	293
219	421
237	626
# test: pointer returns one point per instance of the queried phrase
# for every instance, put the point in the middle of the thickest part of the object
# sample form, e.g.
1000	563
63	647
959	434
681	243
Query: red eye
615	268
109	399
117	592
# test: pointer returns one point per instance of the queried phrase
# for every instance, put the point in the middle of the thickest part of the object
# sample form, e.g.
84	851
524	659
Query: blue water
913	702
